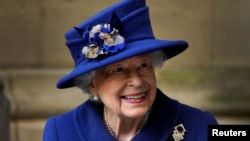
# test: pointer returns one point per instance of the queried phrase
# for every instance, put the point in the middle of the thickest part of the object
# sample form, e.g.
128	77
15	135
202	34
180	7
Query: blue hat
120	31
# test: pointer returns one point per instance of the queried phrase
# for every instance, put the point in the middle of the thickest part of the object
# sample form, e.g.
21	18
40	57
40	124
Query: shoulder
190	113
196	122
72	125
61	126
49	132
183	111
57	127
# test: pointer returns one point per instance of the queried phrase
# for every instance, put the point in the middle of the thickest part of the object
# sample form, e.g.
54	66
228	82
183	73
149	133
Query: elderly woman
115	55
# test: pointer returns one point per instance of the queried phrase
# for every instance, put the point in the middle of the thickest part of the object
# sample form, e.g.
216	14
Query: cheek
108	87
150	79
110	96
109	92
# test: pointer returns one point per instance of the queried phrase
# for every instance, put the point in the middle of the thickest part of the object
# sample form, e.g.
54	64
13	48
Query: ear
92	89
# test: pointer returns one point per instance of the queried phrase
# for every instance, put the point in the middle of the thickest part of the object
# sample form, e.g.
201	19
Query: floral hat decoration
103	39
118	32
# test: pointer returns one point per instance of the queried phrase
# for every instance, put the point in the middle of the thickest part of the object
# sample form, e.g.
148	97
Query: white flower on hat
95	29
91	51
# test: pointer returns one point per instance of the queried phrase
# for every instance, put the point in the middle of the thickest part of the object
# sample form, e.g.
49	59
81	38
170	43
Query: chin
136	112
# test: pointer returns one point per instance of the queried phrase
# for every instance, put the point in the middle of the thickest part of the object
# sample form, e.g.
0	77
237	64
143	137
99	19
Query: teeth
135	97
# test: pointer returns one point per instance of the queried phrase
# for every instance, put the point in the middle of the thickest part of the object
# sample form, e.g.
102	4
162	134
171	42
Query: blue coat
85	123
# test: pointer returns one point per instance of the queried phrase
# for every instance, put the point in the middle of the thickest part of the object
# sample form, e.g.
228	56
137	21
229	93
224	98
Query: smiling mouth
134	98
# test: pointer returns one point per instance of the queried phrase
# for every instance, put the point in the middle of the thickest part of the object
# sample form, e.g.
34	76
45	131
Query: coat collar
165	111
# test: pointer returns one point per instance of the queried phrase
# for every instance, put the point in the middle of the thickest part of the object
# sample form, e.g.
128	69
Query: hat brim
170	47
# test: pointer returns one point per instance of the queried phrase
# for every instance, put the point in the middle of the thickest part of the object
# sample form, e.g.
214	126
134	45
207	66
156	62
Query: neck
123	128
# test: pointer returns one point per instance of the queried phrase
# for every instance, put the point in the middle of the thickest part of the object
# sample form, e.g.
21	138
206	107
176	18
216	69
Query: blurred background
213	74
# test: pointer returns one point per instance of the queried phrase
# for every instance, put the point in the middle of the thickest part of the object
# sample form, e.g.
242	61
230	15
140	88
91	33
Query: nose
134	79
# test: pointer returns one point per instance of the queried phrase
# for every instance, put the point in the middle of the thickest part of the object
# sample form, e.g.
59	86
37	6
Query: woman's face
127	88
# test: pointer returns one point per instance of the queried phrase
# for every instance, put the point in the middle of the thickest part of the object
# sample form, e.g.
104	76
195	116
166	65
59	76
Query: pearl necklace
106	121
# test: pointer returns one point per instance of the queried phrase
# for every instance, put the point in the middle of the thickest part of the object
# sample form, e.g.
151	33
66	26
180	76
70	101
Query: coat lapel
164	117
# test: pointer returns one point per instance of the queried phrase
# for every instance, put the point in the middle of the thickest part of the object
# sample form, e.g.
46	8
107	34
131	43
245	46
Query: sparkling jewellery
105	116
179	132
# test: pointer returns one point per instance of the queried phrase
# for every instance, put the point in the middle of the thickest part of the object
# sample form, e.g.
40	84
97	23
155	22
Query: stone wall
213	74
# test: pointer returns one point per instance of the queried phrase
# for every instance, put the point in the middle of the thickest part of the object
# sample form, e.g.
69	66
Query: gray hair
83	81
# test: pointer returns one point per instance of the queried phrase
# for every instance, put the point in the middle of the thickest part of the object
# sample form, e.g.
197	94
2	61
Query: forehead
132	59
128	61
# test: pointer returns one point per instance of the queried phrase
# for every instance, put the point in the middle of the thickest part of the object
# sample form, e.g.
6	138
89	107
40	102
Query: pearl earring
95	98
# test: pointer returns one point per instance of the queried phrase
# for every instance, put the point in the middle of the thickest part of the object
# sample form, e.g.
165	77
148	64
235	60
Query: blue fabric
134	26
85	123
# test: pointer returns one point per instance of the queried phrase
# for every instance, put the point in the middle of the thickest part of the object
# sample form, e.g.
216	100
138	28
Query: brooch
179	132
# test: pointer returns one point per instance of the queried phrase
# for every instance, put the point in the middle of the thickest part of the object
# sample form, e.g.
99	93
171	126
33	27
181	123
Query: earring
95	98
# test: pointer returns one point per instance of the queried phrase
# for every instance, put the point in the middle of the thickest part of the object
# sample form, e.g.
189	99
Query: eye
144	65
116	70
